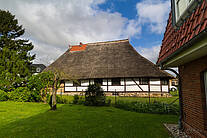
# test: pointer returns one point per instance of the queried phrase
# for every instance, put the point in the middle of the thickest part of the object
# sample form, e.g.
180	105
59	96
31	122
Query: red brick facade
194	102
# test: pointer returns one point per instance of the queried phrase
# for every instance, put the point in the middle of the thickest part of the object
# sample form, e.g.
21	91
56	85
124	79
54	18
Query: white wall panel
91	81
104	81
104	88
144	87
69	89
117	88
154	81
122	81
130	82
133	88
80	89
165	88
84	82
109	82
155	88
69	83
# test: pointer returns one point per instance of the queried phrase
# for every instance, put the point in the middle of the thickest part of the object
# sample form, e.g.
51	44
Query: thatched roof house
106	61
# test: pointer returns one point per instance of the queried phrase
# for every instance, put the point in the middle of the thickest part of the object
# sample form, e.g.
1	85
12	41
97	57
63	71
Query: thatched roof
112	59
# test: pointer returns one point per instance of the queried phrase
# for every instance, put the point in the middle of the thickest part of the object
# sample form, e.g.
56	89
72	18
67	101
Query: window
116	82
77	83
164	81
205	85
143	81
98	81
182	8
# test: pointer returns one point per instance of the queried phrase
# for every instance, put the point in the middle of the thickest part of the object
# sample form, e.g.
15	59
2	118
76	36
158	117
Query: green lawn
132	99
35	120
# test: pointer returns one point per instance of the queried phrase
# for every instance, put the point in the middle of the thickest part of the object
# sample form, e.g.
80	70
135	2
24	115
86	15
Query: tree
56	78
15	59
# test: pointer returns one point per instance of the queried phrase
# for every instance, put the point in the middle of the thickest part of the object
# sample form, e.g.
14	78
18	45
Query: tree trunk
53	98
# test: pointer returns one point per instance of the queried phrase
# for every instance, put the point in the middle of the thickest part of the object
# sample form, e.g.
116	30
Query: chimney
81	44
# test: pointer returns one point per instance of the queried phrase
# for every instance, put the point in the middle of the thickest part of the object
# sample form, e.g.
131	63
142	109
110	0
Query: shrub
21	94
3	96
94	95
155	107
75	99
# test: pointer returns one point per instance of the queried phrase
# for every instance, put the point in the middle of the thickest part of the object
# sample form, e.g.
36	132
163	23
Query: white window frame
189	5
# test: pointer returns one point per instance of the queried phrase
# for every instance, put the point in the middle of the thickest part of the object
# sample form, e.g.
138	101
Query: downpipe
180	97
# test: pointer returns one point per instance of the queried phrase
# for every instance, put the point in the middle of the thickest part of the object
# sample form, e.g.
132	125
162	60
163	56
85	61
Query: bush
62	100
155	107
21	94
76	99
3	96
94	95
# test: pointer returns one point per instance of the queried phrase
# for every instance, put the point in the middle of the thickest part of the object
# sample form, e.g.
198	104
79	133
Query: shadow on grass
82	121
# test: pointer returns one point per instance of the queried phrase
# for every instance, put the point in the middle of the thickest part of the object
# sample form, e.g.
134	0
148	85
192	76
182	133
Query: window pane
116	82
181	6
205	82
78	83
144	81
98	81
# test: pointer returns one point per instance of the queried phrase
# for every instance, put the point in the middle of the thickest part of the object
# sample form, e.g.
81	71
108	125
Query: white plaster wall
154	81
81	89
144	87
130	82
69	83
155	88
84	82
91	81
104	81
104	88
165	88
122	81
133	88
117	88
68	89
109	82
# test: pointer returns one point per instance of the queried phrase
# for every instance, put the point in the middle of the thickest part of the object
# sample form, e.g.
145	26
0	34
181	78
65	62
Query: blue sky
52	25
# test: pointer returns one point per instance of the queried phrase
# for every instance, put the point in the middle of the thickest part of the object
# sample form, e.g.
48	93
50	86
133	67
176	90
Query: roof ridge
105	42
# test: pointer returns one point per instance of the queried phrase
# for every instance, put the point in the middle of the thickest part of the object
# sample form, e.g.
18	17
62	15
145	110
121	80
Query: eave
192	50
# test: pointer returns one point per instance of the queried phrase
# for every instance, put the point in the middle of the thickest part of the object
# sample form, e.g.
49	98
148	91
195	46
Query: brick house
185	46
115	65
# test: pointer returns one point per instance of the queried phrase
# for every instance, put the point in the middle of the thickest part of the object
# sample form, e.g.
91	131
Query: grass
35	120
167	100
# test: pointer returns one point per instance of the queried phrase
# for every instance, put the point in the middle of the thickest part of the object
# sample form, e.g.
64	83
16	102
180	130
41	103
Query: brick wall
194	109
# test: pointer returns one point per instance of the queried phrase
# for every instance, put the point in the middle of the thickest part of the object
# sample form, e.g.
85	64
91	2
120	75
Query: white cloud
52	25
149	53
153	13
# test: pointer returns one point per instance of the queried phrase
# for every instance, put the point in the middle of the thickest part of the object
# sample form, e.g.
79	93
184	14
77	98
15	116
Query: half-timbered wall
126	85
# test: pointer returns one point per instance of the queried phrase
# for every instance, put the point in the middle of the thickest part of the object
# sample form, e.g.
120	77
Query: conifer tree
15	57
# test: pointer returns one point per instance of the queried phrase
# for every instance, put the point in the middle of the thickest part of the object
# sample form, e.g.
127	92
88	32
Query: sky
53	25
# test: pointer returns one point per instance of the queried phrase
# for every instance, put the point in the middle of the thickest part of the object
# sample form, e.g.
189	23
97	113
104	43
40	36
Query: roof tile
174	39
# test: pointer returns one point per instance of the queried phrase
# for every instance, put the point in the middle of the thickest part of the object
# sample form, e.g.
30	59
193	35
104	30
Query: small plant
155	107
3	96
21	94
76	99
94	95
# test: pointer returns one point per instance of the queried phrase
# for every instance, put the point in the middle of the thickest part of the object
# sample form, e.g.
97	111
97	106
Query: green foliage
174	93
39	85
155	107
15	58
3	96
21	94
94	95
76	98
